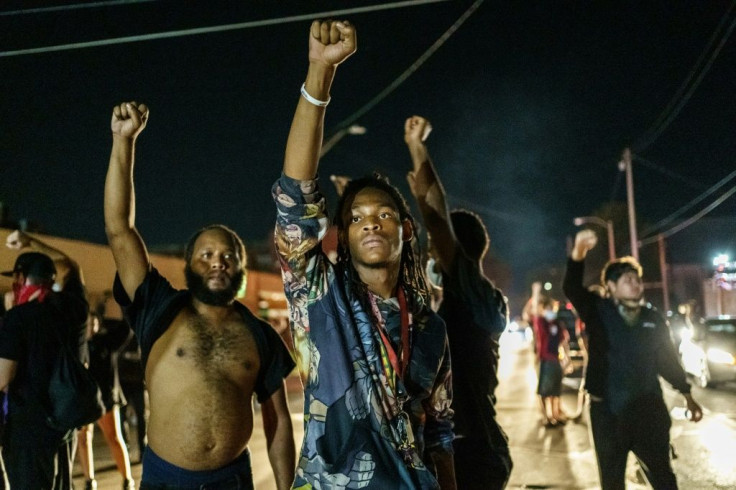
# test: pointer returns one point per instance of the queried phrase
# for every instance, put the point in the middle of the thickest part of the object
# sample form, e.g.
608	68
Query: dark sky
532	104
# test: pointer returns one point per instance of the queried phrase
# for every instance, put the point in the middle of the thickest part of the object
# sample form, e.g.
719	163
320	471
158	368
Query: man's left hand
696	412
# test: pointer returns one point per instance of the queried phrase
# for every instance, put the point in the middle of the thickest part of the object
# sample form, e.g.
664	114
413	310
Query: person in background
629	349
49	307
549	338
475	312
104	345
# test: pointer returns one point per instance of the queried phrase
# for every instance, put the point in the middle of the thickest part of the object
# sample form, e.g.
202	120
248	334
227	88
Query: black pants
135	395
39	467
642	428
478	466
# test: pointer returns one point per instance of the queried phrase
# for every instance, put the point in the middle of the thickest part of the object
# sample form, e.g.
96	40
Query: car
708	351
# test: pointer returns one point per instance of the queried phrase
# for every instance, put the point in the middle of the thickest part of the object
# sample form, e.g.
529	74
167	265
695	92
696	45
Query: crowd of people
399	383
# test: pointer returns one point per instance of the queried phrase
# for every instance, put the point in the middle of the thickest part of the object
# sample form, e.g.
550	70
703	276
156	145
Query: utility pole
663	269
625	166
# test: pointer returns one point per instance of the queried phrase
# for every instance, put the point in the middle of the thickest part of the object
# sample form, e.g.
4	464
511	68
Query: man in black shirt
629	347
476	314
204	354
37	456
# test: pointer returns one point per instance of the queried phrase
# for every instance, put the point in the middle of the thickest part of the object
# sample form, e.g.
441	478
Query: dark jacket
624	361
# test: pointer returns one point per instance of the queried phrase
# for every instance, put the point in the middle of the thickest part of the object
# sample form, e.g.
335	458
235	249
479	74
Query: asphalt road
550	458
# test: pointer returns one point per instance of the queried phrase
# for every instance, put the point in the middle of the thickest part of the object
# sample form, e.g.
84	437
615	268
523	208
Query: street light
608	224
332	140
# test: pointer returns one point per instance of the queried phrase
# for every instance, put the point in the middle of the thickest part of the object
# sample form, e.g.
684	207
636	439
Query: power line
75	6
219	28
691	204
474	206
683	94
669	173
691	220
414	67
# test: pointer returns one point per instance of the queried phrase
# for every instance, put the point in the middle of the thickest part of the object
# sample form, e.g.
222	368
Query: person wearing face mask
48	297
629	348
549	337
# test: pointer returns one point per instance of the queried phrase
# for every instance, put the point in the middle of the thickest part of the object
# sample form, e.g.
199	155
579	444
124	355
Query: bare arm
427	189
330	43
128	249
7	372
279	438
66	268
534	309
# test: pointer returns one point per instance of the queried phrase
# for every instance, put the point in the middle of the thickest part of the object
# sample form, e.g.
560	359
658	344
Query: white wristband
312	100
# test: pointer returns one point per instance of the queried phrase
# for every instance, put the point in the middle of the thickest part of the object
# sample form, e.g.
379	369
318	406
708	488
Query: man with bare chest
204	354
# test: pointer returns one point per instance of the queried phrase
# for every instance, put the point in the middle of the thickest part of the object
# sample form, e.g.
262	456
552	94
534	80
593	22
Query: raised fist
340	182
585	240
332	42
129	119
416	130
17	240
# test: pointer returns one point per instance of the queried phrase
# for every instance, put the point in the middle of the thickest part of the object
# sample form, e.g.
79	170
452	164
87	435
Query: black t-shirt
104	350
475	313
157	303
30	336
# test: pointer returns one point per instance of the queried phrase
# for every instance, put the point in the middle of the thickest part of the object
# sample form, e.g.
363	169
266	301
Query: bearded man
204	354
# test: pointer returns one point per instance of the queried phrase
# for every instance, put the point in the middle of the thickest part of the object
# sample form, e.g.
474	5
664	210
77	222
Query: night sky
532	104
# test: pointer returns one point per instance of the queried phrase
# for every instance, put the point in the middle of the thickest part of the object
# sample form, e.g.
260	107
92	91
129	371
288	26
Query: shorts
159	474
550	378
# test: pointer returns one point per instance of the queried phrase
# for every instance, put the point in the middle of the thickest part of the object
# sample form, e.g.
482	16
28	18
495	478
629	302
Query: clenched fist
585	240
331	42
17	240
416	130
129	119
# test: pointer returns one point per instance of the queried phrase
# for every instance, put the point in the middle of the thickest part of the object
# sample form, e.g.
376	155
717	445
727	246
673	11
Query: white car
708	352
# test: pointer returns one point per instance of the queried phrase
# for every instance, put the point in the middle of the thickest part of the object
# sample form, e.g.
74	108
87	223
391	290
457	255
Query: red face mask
23	292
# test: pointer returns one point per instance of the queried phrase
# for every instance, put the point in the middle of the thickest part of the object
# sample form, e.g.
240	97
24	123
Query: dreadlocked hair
411	276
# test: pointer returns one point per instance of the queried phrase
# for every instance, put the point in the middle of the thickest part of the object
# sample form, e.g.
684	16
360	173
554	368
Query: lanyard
402	427
399	364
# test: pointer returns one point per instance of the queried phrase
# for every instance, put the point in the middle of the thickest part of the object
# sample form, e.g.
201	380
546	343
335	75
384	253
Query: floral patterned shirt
355	407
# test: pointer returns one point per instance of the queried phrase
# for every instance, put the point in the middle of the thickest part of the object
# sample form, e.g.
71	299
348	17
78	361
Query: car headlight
720	356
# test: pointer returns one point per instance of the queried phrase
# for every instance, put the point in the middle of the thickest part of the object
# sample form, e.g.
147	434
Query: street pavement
544	458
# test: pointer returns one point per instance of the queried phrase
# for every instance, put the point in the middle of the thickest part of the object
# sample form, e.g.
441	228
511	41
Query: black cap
33	264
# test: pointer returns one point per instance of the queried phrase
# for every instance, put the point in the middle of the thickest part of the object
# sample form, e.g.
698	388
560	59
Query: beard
223	297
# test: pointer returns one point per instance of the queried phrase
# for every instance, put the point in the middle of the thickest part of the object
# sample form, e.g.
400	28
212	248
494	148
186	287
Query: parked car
708	352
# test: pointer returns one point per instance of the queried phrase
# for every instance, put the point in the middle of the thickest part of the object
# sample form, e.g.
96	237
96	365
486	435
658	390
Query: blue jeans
162	475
